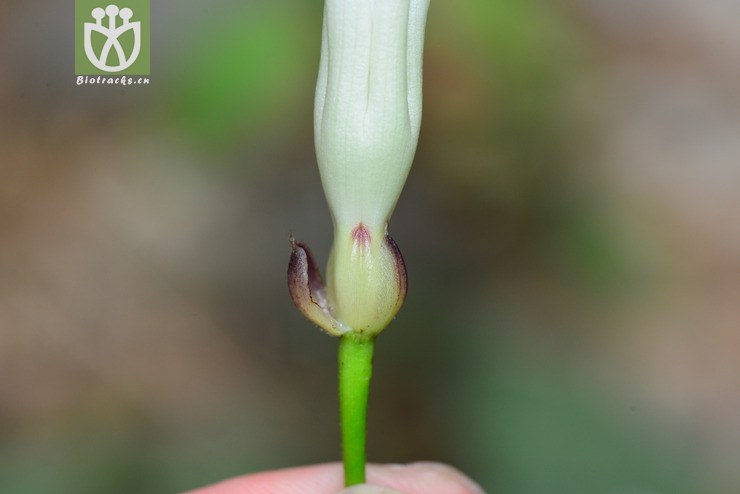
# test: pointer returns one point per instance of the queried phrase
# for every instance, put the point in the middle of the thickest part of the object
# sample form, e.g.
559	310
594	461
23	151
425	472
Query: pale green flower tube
368	105
366	118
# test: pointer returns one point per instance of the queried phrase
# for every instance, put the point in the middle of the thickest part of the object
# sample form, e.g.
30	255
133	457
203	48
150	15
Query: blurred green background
570	226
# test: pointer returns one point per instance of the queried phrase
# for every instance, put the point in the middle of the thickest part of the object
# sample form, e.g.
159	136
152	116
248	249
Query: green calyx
367	283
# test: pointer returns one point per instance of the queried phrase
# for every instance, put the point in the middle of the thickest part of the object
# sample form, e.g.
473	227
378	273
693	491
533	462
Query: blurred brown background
570	227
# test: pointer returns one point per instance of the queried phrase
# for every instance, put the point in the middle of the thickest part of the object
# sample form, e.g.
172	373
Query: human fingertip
448	474
368	489
424	477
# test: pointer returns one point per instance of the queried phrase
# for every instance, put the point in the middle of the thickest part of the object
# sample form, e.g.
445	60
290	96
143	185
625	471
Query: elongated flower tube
366	118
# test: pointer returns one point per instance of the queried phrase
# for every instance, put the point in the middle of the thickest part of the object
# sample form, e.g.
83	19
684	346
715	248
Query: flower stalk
355	370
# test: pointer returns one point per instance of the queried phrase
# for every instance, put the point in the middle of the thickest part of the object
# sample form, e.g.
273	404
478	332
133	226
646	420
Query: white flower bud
366	119
368	105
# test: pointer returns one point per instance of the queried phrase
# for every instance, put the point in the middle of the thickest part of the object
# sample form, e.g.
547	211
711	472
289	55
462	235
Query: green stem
355	369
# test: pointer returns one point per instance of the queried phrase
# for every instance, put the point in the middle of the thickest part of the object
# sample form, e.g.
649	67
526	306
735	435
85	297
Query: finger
423	478
318	479
415	478
369	489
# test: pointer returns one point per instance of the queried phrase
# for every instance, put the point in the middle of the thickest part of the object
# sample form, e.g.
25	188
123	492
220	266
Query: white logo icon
112	33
